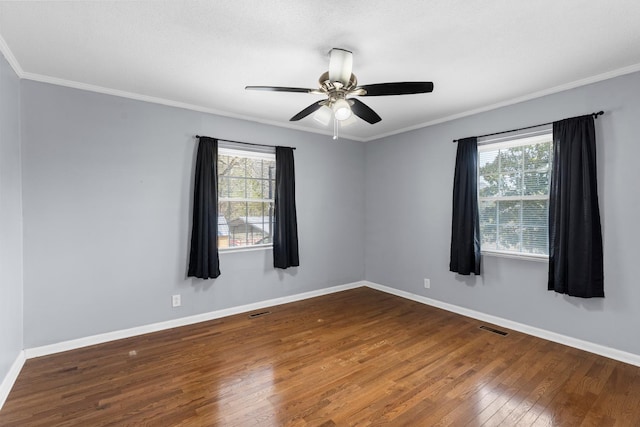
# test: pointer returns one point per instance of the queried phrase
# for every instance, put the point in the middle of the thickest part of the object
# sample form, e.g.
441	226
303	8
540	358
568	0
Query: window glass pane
509	212
489	237
269	170
247	219
255	168
536	183
488	212
488	162
535	222
513	192
488	224
511	159
535	213
535	240
268	188
232	187
249	223
509	238
223	186
489	173
536	157
231	166
488	185
511	184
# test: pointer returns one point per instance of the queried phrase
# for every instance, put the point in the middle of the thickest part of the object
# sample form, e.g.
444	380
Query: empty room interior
277	213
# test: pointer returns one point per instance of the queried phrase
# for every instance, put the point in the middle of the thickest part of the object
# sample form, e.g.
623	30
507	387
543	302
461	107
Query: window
246	185
513	195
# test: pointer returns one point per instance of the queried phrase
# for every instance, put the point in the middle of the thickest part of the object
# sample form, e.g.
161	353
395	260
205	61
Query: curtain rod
240	142
595	116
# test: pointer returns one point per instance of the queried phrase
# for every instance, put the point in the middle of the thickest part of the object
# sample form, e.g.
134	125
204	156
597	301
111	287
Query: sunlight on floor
246	397
495	404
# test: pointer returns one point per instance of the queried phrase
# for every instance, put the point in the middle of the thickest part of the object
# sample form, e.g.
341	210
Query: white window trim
249	153
515	255
243	199
253	248
543	131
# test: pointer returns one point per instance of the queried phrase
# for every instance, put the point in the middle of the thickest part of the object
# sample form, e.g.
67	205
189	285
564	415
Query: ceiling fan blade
361	110
304	113
399	88
340	65
280	89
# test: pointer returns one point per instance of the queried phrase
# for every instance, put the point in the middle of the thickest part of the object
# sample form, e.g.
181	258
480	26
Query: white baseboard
183	321
612	353
11	377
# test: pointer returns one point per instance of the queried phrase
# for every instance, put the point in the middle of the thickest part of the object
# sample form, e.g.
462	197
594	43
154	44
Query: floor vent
262	313
495	331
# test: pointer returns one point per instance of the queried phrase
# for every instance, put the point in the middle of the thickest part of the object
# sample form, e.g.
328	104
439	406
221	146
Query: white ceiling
201	54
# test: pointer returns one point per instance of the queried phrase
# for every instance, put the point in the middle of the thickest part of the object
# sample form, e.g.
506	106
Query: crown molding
8	54
556	89
13	62
170	103
6	51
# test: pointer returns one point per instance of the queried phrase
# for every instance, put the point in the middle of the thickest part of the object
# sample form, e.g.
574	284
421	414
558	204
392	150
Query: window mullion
521	200
498	203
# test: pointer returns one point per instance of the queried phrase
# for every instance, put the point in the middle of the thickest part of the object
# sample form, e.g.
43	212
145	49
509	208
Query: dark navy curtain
203	259
285	233
465	226
575	236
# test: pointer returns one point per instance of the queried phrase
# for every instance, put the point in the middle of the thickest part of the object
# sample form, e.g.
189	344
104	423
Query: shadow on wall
470	280
589	304
201	285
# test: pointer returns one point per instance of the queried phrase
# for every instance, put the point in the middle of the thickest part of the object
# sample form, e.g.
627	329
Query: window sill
526	257
245	249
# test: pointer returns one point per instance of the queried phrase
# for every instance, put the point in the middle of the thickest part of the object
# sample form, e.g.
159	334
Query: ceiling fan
339	85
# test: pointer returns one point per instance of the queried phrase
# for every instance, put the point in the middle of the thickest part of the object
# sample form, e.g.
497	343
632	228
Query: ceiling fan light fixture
341	110
351	120
323	115
340	87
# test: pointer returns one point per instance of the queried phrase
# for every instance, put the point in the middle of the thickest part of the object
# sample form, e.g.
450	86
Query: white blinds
513	195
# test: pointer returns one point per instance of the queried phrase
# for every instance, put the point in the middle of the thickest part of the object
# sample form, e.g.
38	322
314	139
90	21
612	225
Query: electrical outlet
427	283
175	301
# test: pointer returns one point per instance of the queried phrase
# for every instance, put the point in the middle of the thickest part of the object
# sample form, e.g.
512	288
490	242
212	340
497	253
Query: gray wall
10	220
409	180
107	189
107	193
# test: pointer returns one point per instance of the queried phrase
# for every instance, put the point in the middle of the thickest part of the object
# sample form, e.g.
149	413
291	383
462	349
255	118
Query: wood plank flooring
359	357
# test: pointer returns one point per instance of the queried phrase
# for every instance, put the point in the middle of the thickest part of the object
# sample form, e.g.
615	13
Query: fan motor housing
335	90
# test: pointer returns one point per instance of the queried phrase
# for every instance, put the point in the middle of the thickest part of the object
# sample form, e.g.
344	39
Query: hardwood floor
359	357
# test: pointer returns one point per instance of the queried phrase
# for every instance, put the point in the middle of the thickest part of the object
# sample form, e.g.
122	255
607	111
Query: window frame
251	152
515	140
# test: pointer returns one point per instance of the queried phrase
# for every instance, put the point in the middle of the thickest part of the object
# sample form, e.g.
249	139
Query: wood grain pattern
359	357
